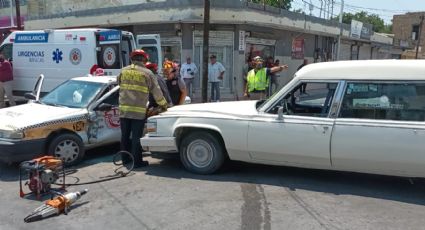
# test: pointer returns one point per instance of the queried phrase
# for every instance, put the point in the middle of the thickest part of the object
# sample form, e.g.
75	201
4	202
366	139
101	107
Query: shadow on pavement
333	182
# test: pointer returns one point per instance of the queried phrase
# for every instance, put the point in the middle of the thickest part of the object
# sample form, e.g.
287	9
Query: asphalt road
241	196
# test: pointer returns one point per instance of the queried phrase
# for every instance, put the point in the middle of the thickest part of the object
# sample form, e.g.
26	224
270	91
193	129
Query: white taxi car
361	116
79	114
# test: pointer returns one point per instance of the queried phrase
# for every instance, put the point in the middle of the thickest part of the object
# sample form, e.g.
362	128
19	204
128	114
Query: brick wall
402	28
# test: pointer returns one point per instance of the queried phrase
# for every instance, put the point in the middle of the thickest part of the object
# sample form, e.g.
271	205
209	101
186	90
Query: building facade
406	28
239	30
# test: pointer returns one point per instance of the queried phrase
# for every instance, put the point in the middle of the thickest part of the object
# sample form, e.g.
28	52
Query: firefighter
258	80
136	83
175	84
153	108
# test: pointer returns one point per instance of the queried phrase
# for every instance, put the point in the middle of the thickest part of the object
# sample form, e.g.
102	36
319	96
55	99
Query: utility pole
12	22
329	9
205	50
18	14
338	49
311	8
419	36
321	7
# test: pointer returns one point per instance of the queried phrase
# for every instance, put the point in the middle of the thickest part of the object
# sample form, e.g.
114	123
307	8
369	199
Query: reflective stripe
136	109
139	88
257	81
132	75
162	102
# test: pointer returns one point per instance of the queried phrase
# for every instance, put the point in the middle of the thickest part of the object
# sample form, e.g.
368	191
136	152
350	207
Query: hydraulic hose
118	174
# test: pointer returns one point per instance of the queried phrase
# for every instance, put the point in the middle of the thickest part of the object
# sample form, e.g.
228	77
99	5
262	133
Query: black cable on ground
129	160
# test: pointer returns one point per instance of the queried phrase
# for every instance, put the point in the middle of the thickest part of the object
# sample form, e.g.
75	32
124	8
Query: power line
373	9
328	12
383	13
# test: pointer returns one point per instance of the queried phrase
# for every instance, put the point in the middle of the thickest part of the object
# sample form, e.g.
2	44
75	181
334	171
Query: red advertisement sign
298	48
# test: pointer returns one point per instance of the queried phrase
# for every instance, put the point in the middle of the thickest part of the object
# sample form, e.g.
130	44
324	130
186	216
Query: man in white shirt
187	72
215	76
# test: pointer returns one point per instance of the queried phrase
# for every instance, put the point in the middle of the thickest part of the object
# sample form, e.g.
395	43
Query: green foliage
284	4
373	19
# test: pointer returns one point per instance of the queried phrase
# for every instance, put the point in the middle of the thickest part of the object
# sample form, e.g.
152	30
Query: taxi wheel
202	153
68	147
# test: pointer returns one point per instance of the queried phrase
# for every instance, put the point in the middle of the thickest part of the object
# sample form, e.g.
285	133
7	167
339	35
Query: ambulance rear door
151	43
113	49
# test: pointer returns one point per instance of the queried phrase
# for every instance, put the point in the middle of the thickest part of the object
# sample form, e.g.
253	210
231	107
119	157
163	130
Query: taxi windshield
73	94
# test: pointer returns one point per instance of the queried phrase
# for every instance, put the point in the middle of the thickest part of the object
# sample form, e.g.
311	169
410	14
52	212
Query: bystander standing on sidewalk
188	72
215	76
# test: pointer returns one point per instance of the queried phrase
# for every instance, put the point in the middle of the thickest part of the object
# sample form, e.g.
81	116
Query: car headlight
151	126
11	134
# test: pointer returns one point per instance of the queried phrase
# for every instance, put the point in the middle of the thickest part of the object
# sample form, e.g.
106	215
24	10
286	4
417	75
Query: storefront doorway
221	45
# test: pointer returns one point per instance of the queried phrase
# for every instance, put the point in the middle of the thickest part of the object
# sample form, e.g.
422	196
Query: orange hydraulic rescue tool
42	173
55	206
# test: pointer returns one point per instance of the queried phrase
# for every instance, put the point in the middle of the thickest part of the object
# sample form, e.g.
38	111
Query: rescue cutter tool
56	206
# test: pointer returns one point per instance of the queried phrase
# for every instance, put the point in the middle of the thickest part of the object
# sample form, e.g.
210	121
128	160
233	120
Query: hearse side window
384	101
308	99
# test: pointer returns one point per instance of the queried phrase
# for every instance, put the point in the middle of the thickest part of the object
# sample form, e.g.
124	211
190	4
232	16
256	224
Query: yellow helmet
169	66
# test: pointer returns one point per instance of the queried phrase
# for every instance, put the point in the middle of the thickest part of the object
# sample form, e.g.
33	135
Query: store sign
404	43
366	31
356	29
298	48
242	40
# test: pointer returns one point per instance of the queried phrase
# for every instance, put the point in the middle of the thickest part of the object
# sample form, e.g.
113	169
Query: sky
384	8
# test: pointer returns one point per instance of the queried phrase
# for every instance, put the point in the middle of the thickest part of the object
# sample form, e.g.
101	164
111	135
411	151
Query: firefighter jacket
257	81
136	82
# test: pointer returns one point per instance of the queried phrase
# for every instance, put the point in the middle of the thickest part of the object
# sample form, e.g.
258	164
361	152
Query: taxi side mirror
30	96
103	107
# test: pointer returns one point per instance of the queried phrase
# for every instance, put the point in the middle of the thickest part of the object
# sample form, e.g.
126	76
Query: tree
373	19
284	4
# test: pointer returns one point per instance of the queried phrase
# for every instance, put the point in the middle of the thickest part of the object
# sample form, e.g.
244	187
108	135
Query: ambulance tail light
102	38
82	38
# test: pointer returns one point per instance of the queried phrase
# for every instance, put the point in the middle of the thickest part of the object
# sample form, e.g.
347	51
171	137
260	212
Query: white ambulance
63	54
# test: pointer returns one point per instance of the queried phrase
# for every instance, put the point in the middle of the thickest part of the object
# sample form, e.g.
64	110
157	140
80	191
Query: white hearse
360	116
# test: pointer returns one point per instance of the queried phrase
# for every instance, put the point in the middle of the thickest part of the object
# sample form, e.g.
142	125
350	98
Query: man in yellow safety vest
136	82
258	79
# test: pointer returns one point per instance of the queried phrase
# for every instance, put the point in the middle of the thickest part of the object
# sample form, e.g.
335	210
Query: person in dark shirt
6	80
154	108
175	85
